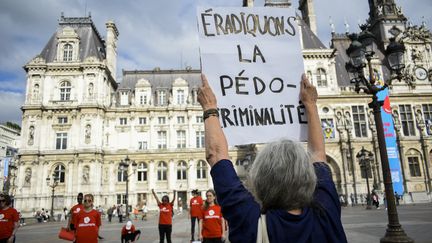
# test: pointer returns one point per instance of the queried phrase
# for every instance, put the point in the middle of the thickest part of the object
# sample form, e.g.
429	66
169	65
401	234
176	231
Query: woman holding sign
292	188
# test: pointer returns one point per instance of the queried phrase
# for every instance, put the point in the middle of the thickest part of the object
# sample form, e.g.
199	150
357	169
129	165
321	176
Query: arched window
59	172
121	174
162	171
321	78
414	166
201	170
65	90
181	170
67	52
142	172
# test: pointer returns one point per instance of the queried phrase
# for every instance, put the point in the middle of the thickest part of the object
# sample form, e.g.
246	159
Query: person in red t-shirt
75	210
195	205
165	216
212	225
129	233
9	220
87	222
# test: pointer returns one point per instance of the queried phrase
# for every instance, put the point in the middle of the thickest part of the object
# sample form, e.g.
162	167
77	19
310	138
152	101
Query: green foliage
13	126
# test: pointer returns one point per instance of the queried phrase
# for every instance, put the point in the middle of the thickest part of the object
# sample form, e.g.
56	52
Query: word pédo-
276	85
252	24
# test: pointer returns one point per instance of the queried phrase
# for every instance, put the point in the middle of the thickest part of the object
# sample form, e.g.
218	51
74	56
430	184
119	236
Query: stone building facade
79	123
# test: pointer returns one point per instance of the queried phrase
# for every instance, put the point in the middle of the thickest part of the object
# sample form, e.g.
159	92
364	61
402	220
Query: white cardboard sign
253	60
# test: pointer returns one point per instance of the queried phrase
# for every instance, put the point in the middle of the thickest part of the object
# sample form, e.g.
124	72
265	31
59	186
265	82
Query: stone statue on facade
90	90
31	135
36	92
27	177
347	117
86	175
88	134
396	117
339	121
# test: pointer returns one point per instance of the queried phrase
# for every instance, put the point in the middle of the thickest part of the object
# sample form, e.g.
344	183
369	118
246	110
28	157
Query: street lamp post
124	166
361	48
53	185
364	157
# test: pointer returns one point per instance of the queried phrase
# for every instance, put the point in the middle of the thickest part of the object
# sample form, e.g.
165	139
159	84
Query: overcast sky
153	33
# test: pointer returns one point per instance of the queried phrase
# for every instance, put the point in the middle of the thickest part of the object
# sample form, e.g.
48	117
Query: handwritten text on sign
253	61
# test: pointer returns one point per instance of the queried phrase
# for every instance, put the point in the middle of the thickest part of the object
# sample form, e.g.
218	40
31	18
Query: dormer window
65	90
321	78
67	52
162	97
180	97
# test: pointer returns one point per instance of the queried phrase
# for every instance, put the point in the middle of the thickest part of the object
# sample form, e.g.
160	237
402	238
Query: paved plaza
360	226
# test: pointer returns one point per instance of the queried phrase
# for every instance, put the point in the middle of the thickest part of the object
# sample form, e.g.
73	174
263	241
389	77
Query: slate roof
309	39
161	79
91	43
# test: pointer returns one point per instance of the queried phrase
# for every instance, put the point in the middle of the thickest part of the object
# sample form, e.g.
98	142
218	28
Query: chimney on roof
308	14
111	47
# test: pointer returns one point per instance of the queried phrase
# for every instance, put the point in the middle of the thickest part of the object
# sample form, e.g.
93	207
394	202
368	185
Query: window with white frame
199	119
407	120
61	140
161	120
181	170
60	173
121	199
162	97
142	172
67	52
321	77
199	139
162	169
123	121
142	145
414	166
180	97
143	99
201	170
62	120
427	112
180	120
162	139
65	90
142	120
121	174
181	139
359	118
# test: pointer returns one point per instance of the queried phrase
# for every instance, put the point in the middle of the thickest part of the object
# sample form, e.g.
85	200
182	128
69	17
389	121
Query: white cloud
10	104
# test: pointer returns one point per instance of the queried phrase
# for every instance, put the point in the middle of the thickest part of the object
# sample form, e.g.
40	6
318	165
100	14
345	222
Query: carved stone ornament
86	175
88	134
31	135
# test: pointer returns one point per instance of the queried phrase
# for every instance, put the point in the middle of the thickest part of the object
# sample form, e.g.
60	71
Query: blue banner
391	144
6	166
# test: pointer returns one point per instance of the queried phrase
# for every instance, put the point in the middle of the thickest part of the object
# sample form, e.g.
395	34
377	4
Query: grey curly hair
282	176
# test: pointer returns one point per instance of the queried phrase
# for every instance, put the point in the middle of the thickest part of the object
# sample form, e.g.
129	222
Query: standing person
352	199
180	206
129	233
144	212
75	210
110	212
375	200
195	206
212	224
9	220
87	222
397	197
293	188
120	213
165	216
